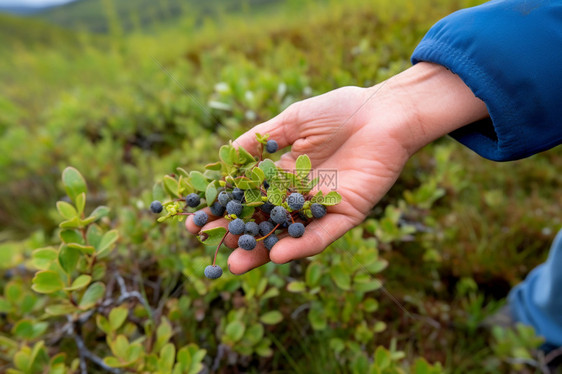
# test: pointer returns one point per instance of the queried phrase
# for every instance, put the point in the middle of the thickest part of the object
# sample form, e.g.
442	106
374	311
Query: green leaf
103	324
303	166
210	194
100	212
94	235
28	329
71	223
65	307
86	249
313	274
254	333
171	186
235	330
244	156
117	316
341	276
198	180
331	198
252	196
275	195
296	286
47	281
269	169
92	295
216	166
80	203
226	154
258	175
71	236
68	258
107	241
167	358
43	257
66	210
317	319
212	236
73	182
80	282
271	318
158	192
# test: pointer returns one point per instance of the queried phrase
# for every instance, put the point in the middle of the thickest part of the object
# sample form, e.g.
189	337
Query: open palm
337	132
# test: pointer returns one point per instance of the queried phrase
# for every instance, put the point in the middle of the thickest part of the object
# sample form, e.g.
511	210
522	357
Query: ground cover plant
89	280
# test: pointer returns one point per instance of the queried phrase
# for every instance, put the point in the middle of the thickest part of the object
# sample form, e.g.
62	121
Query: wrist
422	104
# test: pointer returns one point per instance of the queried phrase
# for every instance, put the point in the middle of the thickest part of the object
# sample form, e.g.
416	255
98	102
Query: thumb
281	128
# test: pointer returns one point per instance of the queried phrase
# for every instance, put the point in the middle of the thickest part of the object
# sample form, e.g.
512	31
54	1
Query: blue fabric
538	300
509	52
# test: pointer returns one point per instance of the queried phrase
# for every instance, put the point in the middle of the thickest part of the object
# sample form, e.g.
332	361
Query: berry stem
218	246
271	232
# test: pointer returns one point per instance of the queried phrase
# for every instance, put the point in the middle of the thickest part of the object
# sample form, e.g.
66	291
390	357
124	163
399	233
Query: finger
193	228
317	236
280	128
241	261
287	161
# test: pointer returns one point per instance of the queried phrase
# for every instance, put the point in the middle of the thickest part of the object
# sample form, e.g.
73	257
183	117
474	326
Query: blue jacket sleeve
509	52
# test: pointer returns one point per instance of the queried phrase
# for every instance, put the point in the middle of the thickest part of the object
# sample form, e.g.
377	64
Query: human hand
366	135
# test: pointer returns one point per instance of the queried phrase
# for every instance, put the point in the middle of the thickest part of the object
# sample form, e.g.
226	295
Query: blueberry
238	194
200	218
265	185
266	208
285	224
192	200
295	201
224	198
236	227
271	146
265	227
279	214
296	230
318	210
213	271
156	206
270	241
217	209
247	242
252	228
234	207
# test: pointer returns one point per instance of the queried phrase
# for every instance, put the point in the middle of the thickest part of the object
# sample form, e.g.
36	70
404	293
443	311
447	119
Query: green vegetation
87	275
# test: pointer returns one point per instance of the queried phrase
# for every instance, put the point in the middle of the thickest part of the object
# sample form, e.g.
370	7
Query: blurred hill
97	15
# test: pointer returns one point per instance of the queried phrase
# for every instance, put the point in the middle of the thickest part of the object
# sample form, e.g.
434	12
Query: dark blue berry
266	208
217	209
236	227
285	224
234	207
279	214
265	185
192	200
213	271
295	201
270	241
252	228
247	242
238	194
271	146
200	218
296	230
156	206
266	227
224	198
318	210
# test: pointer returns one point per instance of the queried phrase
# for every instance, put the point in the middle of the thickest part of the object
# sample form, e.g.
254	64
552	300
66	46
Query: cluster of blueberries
274	217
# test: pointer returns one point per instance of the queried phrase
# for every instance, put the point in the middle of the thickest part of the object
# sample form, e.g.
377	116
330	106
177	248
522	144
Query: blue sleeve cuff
509	54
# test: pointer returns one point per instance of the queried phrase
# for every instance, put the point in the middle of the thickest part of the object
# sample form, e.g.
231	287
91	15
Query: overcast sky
33	2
